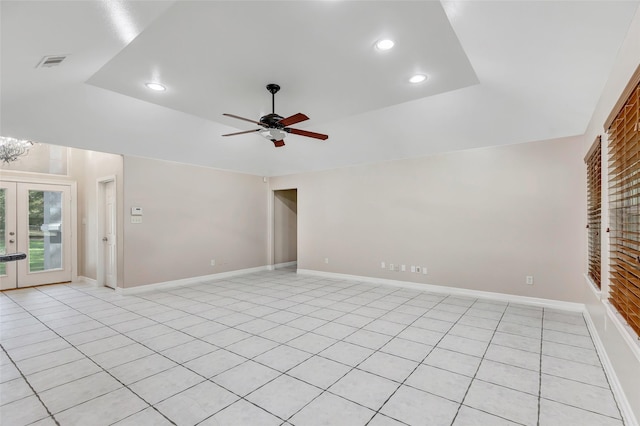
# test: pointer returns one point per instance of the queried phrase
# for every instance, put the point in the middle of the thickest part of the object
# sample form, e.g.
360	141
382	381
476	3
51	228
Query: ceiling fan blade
242	133
295	118
245	119
307	134
279	143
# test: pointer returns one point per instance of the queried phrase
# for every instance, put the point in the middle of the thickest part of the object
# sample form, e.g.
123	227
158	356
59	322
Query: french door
35	219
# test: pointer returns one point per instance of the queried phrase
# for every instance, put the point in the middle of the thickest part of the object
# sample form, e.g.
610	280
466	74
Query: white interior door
109	232
37	221
8	229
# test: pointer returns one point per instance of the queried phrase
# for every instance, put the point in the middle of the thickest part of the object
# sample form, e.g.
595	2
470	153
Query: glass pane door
3	229
8	230
45	230
44	225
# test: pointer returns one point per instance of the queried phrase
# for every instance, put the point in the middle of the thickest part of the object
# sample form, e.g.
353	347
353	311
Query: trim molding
282	265
631	85
623	403
593	287
596	143
187	281
88	280
525	300
285	264
624	329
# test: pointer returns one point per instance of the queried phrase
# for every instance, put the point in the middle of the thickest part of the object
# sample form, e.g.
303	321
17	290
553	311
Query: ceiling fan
274	126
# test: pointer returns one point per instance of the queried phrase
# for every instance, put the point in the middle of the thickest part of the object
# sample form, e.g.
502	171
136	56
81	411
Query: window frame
593	161
624	205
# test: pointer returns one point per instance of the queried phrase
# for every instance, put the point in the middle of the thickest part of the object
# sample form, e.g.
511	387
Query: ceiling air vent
51	61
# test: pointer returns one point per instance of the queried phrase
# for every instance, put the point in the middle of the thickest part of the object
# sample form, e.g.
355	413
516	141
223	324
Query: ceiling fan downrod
273	89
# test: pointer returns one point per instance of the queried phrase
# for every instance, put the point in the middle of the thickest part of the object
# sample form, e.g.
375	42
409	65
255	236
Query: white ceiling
499	73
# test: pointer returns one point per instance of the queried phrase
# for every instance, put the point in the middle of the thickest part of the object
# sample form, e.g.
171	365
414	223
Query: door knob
105	239
12	241
12	233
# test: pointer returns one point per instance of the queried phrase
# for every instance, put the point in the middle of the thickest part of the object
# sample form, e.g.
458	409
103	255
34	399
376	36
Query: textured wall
479	219
191	215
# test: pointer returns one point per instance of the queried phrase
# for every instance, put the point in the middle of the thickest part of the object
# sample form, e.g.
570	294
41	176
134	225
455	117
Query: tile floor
275	348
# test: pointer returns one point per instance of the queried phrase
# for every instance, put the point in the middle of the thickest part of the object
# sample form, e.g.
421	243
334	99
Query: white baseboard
282	265
187	281
616	387
627	333
88	280
525	300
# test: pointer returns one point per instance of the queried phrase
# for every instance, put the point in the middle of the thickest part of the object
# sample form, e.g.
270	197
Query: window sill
627	332
594	288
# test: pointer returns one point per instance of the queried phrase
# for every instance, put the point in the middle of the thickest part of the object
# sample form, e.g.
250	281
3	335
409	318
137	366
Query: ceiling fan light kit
274	126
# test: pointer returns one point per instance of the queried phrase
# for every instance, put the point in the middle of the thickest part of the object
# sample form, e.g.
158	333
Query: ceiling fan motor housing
272	121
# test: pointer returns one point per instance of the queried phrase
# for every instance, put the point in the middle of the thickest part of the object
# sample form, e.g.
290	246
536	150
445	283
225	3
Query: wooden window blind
594	201
624	205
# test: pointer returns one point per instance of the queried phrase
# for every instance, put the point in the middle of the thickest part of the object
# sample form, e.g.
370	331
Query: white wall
82	167
41	158
191	215
86	167
626	365
479	219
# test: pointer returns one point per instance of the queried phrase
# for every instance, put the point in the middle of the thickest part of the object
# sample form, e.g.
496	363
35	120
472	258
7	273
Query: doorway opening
285	229
107	261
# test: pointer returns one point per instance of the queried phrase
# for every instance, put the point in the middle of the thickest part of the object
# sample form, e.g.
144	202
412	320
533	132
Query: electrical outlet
418	269
391	266
382	265
413	268
529	280
136	219
403	268
326	260
424	270
213	262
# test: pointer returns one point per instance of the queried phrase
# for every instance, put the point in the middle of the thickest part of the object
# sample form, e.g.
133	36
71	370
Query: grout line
37	395
540	374
141	343
587	410
232	289
421	363
352	368
478	369
99	366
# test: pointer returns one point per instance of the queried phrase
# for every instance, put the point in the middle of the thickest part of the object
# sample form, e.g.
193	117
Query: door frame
100	222
271	229
10	277
73	188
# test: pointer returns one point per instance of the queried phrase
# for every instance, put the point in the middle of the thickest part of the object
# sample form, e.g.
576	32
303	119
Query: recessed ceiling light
418	78
156	86
385	44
